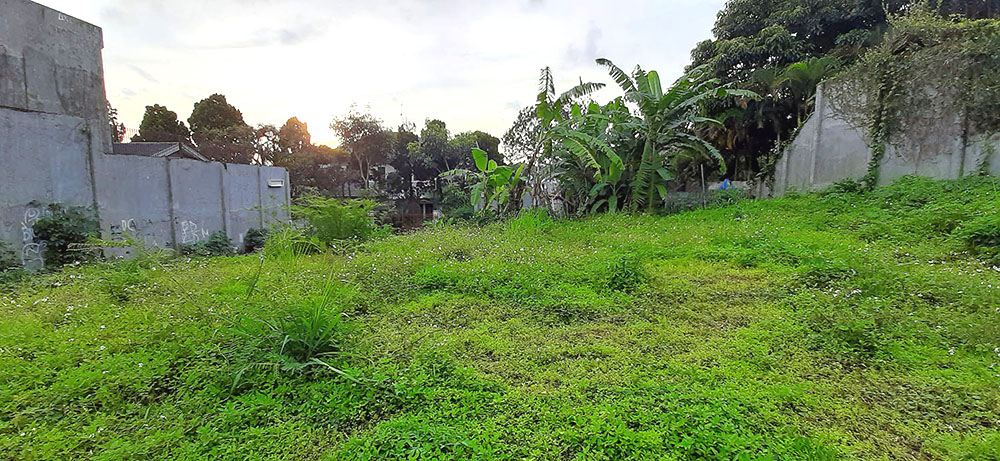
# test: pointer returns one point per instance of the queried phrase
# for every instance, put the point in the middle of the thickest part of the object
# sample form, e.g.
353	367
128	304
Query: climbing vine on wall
927	69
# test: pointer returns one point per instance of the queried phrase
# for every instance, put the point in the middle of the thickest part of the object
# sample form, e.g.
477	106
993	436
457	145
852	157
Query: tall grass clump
303	336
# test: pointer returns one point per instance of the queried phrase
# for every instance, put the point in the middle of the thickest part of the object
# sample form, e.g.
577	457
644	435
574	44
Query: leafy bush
8	258
254	240
982	234
847	186
454	202
217	244
626	273
65	230
334	220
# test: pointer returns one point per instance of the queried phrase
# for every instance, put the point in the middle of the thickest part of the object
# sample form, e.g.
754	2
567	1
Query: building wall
829	148
54	137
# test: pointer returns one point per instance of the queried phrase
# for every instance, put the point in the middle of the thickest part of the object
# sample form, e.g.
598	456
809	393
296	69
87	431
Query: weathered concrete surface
54	168
54	137
828	148
51	62
134	199
274	200
243	200
197	199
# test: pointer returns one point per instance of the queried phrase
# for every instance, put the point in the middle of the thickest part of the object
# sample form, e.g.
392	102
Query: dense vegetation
843	324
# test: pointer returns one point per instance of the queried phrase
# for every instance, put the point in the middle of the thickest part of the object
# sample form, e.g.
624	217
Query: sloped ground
812	327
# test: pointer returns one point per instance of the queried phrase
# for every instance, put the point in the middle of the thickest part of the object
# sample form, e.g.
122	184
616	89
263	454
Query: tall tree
366	140
410	165
214	113
160	124
267	146
220	133
751	36
294	136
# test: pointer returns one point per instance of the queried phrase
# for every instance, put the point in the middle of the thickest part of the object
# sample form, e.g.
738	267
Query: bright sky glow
471	63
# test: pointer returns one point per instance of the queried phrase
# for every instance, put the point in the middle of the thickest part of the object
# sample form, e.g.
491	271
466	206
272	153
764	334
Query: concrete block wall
52	117
54	136
826	150
168	203
829	148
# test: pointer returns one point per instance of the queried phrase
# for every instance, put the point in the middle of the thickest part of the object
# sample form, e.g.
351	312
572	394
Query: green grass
810	327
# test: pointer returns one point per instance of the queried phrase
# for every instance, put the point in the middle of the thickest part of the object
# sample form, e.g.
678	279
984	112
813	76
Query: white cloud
471	63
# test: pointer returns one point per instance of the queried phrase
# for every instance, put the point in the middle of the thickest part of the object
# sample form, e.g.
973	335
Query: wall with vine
927	100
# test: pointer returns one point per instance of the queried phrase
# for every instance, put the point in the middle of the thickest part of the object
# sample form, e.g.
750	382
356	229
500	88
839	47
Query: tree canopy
160	124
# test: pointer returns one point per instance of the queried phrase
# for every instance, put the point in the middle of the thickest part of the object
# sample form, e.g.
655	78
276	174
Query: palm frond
619	76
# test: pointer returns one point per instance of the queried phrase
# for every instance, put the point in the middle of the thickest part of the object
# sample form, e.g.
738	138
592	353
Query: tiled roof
157	149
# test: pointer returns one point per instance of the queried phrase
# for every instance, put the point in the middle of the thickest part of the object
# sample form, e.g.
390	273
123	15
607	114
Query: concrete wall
54	137
935	142
168	203
52	117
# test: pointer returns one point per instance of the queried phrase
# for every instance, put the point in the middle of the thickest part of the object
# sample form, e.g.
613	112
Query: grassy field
826	326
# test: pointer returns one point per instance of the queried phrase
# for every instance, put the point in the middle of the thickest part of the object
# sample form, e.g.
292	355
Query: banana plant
493	183
584	135
665	124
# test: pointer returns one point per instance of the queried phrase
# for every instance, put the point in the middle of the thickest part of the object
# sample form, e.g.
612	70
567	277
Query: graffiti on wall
130	229
191	234
32	250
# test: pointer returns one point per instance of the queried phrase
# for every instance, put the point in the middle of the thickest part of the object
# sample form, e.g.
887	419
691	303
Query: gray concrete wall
54	137
242	200
827	149
169	203
134	199
935	142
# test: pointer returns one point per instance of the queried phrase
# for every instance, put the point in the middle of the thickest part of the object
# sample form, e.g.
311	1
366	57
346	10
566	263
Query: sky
471	63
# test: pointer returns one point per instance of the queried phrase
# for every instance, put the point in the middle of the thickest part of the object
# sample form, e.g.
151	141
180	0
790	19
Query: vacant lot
816	327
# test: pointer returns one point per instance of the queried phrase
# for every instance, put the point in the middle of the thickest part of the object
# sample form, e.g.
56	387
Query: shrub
65	230
217	244
334	220
982	234
626	273
254	240
847	186
8	258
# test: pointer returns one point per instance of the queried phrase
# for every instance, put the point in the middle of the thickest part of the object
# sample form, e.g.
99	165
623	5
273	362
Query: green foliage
844	325
254	240
926	66
531	220
632	159
8	258
626	273
493	183
289	242
454	203
332	220
160	124
217	244
982	234
65	231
